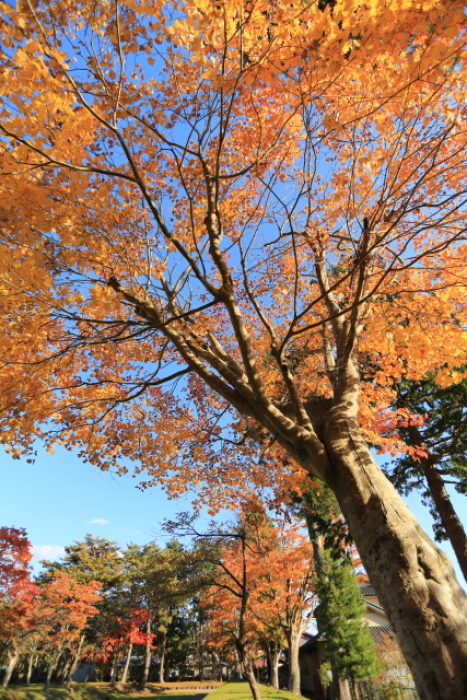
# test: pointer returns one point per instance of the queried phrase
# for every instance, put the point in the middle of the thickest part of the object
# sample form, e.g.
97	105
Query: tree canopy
230	224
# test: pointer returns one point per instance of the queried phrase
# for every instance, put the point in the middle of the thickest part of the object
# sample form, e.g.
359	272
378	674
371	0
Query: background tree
430	420
291	590
252	206
161	585
270	572
229	583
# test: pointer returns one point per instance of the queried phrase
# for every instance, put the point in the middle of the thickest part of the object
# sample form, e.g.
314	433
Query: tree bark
413	579
147	659
162	657
127	663
12	661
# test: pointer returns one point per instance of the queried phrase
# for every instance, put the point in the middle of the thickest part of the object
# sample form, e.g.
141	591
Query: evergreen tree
346	637
93	559
326	526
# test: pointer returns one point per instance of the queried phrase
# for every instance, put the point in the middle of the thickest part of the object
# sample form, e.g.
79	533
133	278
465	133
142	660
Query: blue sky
60	498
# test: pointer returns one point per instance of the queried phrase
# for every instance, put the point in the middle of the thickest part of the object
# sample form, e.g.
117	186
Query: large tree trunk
414	580
293	641
13	659
147	659
127	663
273	652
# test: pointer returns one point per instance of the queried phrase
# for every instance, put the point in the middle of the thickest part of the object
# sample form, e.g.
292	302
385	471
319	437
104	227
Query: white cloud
97	521
47	551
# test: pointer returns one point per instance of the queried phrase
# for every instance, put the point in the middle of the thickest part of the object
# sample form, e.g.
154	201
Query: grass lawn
241	691
179	691
103	691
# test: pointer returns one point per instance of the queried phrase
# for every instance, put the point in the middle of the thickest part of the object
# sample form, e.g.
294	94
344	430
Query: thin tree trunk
21	670
48	679
50	671
241	637
414	579
247	669
74	663
12	661
221	671
30	667
113	673
162	657
64	667
147	659
127	663
354	690
447	513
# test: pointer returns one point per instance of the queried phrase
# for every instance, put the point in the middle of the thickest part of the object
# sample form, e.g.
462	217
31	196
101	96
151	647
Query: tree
159	586
62	611
93	559
341	609
17	594
430	422
223	559
292	591
15	556
263	586
327	529
98	559
346	638
122	635
215	216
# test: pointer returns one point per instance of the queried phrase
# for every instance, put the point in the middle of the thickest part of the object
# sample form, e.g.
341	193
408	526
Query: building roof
308	640
376	608
381	634
367	589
